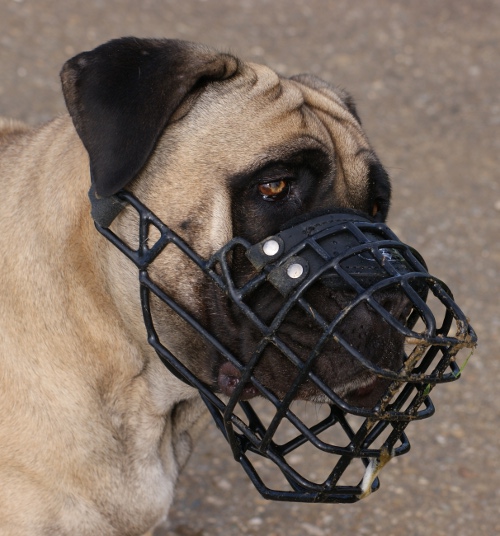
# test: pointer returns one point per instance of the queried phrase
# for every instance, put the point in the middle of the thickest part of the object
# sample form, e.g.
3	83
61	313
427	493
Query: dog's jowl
94	429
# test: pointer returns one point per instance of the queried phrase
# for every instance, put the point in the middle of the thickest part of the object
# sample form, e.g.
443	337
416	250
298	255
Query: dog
94	429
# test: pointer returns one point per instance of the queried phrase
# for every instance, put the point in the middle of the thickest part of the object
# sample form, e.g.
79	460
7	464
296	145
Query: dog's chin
366	393
362	392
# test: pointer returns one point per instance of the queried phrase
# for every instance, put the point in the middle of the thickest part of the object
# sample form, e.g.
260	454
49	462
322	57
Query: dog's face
217	148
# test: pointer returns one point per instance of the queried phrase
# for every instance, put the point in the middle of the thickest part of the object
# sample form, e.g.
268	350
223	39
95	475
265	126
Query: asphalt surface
425	75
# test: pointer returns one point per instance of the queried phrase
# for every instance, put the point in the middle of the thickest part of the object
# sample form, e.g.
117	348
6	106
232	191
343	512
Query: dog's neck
53	227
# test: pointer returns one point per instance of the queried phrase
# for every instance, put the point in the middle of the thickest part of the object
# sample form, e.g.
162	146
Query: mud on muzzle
276	435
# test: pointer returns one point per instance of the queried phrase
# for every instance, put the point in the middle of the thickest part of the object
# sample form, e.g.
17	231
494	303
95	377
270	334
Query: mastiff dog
94	430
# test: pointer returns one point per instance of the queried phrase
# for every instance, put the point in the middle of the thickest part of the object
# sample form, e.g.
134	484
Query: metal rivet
270	248
386	254
295	270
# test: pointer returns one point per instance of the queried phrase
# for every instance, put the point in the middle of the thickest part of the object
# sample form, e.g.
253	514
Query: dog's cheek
171	271
123	288
186	285
221	229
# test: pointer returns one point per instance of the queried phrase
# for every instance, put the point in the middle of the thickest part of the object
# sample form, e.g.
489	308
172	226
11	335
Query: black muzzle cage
340	251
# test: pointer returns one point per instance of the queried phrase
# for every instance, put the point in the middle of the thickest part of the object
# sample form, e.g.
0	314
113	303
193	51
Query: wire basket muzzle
365	262
333	411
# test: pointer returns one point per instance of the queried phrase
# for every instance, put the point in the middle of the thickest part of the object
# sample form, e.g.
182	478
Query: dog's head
214	149
219	148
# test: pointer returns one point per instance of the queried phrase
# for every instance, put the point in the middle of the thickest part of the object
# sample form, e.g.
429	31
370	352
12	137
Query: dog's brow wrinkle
270	85
280	154
308	115
275	92
266	78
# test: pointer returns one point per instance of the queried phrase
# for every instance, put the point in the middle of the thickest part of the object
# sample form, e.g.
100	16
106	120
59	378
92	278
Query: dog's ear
329	90
122	94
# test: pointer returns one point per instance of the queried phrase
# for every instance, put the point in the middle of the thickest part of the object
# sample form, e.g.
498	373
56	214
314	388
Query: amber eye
274	190
375	209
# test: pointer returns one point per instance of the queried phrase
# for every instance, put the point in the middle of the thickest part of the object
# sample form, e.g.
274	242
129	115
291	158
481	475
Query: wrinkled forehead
257	110
258	117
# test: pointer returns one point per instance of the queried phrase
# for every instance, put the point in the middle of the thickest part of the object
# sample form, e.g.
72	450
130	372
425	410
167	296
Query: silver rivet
270	248
386	254
295	270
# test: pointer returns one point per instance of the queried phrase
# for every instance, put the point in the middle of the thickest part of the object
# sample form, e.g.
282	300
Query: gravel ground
425	75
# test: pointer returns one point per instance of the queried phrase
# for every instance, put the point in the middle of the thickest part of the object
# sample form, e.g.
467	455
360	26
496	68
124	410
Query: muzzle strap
104	210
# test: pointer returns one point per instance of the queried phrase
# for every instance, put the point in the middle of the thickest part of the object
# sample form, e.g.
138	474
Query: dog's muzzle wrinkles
332	254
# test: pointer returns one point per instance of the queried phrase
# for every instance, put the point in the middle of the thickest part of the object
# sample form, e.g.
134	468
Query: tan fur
84	408
94	430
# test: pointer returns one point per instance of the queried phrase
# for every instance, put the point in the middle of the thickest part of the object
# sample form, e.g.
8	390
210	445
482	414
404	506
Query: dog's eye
375	209
274	190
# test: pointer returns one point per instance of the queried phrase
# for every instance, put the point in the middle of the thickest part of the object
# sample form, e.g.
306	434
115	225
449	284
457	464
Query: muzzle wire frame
372	259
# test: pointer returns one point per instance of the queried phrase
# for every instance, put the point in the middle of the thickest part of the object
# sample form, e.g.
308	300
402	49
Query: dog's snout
397	304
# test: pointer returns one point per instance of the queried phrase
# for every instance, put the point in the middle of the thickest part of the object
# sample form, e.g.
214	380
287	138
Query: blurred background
425	75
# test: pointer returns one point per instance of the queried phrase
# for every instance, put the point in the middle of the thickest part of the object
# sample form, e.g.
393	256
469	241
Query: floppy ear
122	94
